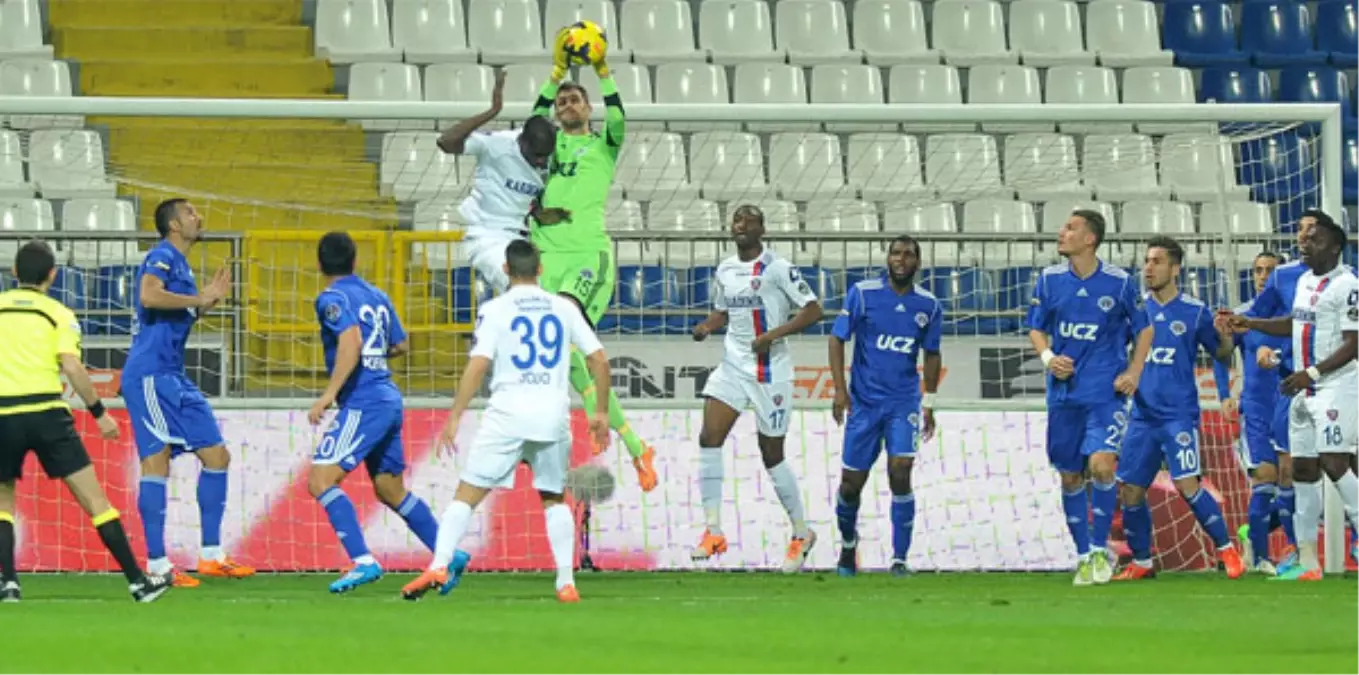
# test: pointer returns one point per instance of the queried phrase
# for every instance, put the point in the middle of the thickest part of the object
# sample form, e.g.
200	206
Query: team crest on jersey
754	283
1332	415
1177	328
778	399
587	274
1105	303
333	312
922	319
1183	438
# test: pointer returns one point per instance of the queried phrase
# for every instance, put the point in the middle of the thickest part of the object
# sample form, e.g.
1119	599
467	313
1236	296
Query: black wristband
96	409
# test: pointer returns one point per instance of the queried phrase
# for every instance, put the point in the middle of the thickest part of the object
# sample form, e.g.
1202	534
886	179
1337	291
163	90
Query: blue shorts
1076	431
371	437
1258	434
1279	428
1149	444
868	429
169	409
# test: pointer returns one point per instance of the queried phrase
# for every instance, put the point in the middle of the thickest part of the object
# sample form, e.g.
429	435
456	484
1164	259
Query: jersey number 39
540	343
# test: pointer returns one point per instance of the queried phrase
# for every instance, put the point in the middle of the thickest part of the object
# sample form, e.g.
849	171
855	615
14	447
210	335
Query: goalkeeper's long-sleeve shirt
581	175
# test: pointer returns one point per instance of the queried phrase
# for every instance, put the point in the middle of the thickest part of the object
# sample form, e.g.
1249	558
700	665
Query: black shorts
50	434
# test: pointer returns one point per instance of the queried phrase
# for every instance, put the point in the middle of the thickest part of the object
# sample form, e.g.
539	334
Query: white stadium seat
1121	167
652	167
970	32
1248	219
387	82
23	215
658	31
693	83
558	14
13	181
727	166
938	218
625	215
1043	167
1048	33
1125	33
737	31
771	83
964	166
21	30
814	32
461	82
38	77
1163	217
523	81
856	84
1088	85
886	167
413	168
849	217
431	31
1000	217
100	215
506	31
350	31
68	164
927	84
634	86
892	32
1161	84
803	167
436	216
1006	83
697	215
1200	168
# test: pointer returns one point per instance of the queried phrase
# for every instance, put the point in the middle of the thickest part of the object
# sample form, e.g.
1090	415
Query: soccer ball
590	483
585	43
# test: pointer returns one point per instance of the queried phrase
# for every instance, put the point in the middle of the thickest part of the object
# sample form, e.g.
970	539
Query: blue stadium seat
1350	164
111	300
1207	284
700	287
462	286
1235	85
1278	34
964	292
1016	288
656	292
1336	32
1278	170
1304	84
826	284
1201	34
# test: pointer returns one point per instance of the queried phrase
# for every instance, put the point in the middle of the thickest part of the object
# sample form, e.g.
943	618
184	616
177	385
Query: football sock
585	386
151	501
847	517
710	487
1257	515
1137	528
903	525
1348	487
457	517
419	519
111	532
1306	520
345	521
1103	503
1285	504
1076	506
785	485
561	538
7	570
212	496
1209	514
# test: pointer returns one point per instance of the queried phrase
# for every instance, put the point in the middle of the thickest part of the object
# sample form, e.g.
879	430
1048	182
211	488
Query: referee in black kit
40	341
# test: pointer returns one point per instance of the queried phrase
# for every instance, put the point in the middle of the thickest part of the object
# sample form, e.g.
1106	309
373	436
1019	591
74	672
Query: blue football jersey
348	302
1090	320
1259	386
888	330
159	335
1277	300
1169	385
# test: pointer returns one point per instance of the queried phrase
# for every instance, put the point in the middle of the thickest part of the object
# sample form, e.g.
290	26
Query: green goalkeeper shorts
587	277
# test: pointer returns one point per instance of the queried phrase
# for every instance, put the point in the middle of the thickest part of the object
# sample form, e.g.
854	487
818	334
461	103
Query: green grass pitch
690	622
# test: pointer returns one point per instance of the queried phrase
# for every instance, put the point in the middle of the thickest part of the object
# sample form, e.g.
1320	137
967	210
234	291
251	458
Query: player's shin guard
1076	506
419	519
212	496
1103	502
454	525
1262	497
1306	520
903	524
710	487
111	532
847	518
8	572
785	485
151	502
1209	514
561	538
1137	529
345	521
1285	505
1348	487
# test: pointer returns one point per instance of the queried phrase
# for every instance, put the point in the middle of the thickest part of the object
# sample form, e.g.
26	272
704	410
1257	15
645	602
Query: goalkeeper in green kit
568	222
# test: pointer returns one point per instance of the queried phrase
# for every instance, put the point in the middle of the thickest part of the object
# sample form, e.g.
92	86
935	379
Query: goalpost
982	186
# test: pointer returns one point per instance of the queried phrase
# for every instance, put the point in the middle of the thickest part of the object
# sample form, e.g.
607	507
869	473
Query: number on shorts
542	342
1188	458
1116	430
1333	436
777	419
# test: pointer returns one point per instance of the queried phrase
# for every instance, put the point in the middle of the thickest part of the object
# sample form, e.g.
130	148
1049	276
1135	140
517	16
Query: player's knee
390	490
1072	481
216	458
157	464
708	438
1265	473
1102	468
321	478
771	454
852	484
1131	495
1187	486
899	474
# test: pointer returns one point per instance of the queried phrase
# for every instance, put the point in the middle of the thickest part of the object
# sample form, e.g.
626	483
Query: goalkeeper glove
602	69
559	55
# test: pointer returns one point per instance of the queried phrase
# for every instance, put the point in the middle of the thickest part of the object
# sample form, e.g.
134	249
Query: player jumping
577	253
1323	418
511	166
891	320
754	295
1080	318
169	414
1165	414
360	331
525	334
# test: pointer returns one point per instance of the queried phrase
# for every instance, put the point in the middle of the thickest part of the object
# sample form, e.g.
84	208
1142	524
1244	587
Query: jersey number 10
540	343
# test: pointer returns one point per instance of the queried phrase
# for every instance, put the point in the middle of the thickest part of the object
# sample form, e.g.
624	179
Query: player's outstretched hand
1062	367
318	410
1126	383
552	215
928	432
108	427
444	445
599	429
218	289
761	345
1295	383
701	332
559	54
1266	358
1238	324
840	407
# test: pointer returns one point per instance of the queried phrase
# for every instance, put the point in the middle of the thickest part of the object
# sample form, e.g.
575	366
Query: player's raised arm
1278	326
842	331
454	141
615	121
547	96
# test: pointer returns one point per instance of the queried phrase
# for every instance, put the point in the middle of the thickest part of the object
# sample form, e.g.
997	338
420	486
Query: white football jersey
503	186
759	296
527	333
1324	308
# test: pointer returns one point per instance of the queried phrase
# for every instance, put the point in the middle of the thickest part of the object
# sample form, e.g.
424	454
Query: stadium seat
658	31
100	216
937	218
970	32
70	288
1155	85
1121	167
1279	171
1336	32
965	293
697	216
1090	85
1235	85
13	180
506	31
37	77
350	31
793	250
737	31
111	300
431	31
1157	217
727	166
854	84
68	164
523	81
649	287
437	216
22	215
693	83
1303	84
845	216
1125	33
1043	167
633	81
1350	166
807	166
1202	34
1001	218
460	82
964	166
652	166
885	167
413	168
387	82
1248	219
625	215
892	32
1278	34
1200	168
927	84
1007	83
1048	33
814	32
558	14
21	31
771	83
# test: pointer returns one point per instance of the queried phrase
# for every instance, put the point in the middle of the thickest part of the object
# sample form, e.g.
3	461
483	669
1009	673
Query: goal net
984	188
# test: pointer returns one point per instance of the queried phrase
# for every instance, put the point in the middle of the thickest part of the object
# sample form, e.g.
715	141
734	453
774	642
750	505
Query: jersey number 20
540	343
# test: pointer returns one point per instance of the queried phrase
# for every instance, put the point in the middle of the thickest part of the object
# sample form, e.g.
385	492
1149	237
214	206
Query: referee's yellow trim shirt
34	331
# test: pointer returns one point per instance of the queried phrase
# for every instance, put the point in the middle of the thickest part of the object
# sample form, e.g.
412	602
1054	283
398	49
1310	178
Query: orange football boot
709	546
225	569
798	550
568	594
646	469
1136	573
179	579
429	580
1231	560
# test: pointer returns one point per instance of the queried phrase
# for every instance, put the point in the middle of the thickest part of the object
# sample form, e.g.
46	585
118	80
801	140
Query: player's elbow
813	311
71	364
597	361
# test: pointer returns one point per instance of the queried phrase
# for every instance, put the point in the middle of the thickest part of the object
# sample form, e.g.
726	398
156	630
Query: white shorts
486	254
1325	422
772	401
495	457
